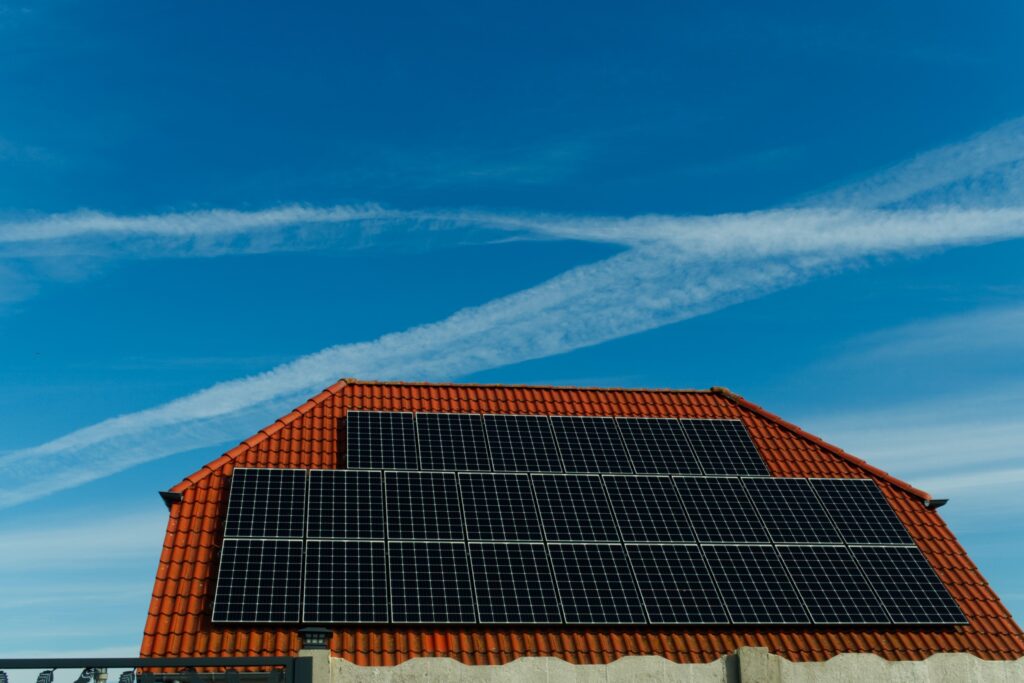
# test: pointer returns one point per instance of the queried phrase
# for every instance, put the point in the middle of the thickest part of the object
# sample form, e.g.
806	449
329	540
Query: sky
210	212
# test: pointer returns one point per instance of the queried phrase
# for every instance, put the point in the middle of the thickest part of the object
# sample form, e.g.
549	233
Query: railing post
302	670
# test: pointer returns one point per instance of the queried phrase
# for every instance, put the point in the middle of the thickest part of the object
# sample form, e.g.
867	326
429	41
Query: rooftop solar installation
648	509
861	512
595	584
574	507
499	507
259	581
268	503
790	510
754	585
346	504
378	440
675	585
521	443
513	583
422	506
430	583
724	447
345	581
907	585
452	441
720	511
833	588
590	444
657	445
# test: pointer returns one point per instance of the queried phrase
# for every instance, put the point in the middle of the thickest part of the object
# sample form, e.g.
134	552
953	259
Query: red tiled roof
179	624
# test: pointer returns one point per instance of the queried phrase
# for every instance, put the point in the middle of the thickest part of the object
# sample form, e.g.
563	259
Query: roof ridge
351	381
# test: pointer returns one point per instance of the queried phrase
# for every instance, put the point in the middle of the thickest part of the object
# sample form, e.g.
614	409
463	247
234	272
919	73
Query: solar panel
513	584
594	584
346	581
430	583
450	441
345	504
499	507
379	440
833	588
259	581
648	509
590	444
266	503
754	585
657	446
521	443
422	506
861	512
720	511
907	585
574	507
790	510
675	585
724	447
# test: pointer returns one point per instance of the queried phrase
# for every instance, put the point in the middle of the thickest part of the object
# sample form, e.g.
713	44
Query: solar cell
521	443
590	444
345	504
513	584
452	441
657	446
861	512
594	584
268	503
907	585
430	583
499	507
346	581
675	585
648	509
790	510
724	447
378	440
422	506
833	588
720	511
574	507
259	581
754	585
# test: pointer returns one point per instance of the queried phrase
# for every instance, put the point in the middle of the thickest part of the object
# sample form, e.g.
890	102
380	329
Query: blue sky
208	213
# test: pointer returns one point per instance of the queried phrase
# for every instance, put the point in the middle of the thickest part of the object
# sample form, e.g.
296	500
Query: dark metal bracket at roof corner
935	503
170	498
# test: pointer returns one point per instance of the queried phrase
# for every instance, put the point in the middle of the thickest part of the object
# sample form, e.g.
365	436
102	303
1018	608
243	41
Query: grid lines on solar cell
378	440
513	583
648	509
499	507
268	503
861	512
430	583
719	510
833	588
595	584
790	510
260	581
675	585
422	506
657	446
574	507
345	504
754	585
450	441
521	443
907	585
590	444
346	581
723	447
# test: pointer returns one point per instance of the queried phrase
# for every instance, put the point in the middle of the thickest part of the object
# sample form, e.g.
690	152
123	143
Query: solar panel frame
675	584
590	444
595	584
754	585
720	511
430	583
907	585
657	445
422	506
342	504
513	583
452	441
376	439
861	512
266	502
790	510
574	508
345	581
521	443
272	594
723	447
499	506
831	584
647	509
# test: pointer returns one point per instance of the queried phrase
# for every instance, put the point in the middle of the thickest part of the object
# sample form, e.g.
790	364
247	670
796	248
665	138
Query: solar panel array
580	520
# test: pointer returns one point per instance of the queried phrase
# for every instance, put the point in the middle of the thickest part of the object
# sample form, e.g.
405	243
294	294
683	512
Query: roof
178	624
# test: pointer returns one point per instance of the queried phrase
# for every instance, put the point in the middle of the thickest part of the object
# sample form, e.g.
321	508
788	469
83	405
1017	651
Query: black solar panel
513	584
259	581
754	585
430	583
724	447
574	507
595	585
648	509
657	446
499	507
346	581
521	443
422	506
381	440
345	504
452	441
590	444
720	511
861	512
790	510
833	588
907	585
675	585
268	503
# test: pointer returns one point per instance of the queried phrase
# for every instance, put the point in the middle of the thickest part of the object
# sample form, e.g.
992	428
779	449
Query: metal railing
172	669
